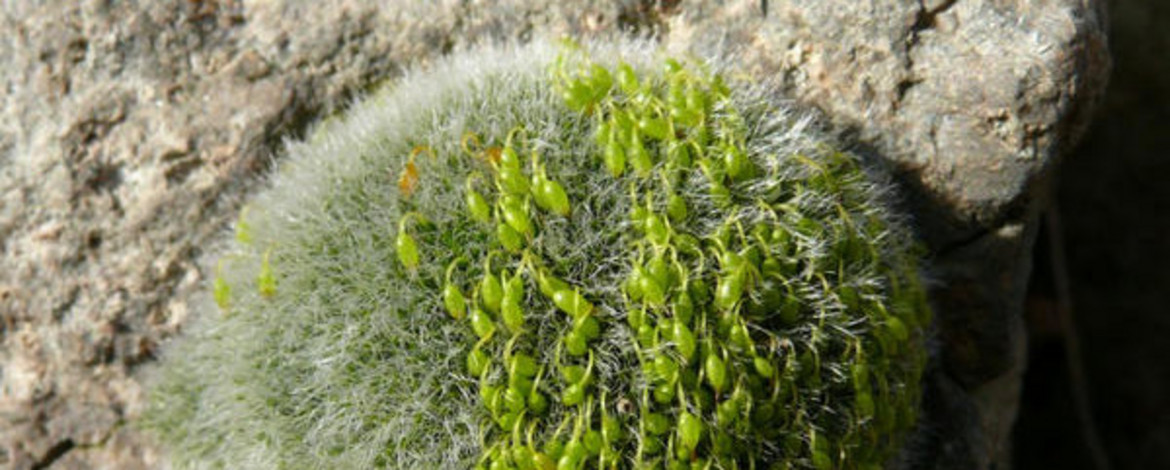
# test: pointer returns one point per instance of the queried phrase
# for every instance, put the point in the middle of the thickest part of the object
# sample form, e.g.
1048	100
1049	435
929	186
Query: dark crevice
54	454
966	241
927	18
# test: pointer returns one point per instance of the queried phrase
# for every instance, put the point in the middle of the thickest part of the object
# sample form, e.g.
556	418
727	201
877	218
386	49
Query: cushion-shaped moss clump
557	257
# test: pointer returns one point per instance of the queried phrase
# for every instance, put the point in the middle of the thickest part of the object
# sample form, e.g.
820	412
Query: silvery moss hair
557	256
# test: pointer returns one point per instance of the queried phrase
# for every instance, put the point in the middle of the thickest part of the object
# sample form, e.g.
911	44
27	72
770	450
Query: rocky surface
131	131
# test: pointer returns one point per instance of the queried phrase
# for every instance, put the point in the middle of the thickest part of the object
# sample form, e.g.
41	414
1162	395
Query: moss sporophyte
608	259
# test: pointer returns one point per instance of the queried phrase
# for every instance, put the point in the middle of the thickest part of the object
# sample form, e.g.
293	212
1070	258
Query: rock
131	131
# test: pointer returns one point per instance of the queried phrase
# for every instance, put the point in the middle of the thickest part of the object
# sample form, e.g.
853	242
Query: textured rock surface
130	132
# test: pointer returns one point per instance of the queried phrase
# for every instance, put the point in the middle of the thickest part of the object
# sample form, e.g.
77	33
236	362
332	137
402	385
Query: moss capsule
572	302
690	430
266	280
478	207
491	292
477	362
716	372
454	301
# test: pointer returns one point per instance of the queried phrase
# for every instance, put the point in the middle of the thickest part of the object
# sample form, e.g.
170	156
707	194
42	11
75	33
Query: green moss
528	258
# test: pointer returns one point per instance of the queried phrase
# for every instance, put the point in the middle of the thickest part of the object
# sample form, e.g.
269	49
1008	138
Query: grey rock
131	130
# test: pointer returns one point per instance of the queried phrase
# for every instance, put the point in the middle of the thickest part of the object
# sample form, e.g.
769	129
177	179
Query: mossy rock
557	257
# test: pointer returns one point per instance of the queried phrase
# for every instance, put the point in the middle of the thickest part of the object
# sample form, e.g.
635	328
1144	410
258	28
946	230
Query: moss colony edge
557	258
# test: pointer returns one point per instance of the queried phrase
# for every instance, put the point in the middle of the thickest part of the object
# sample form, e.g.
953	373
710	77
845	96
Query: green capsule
478	207
509	158
729	291
684	340
654	128
573	395
646	337
243	228
633	284
690	430
614	158
266	280
676	208
655	228
514	400
716	372
523	365
682	307
656	424
572	302
549	284
611	430
604	132
588	326
477	362
727	413
575	343
407	250
593	442
523	384
554	448
636	318
490	394
512	315
554	197
651	290
578	96
491	291
514	288
735	163
522	457
897	329
600	81
696	101
665	368
573	373
516	216
537	402
659	269
739	336
513	180
454	301
685	117
509	238
627	79
720	194
222	292
638	216
639	157
664	393
505	421
763	367
567	463
481	323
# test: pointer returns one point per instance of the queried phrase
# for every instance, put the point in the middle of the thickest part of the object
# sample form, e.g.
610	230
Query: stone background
131	131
